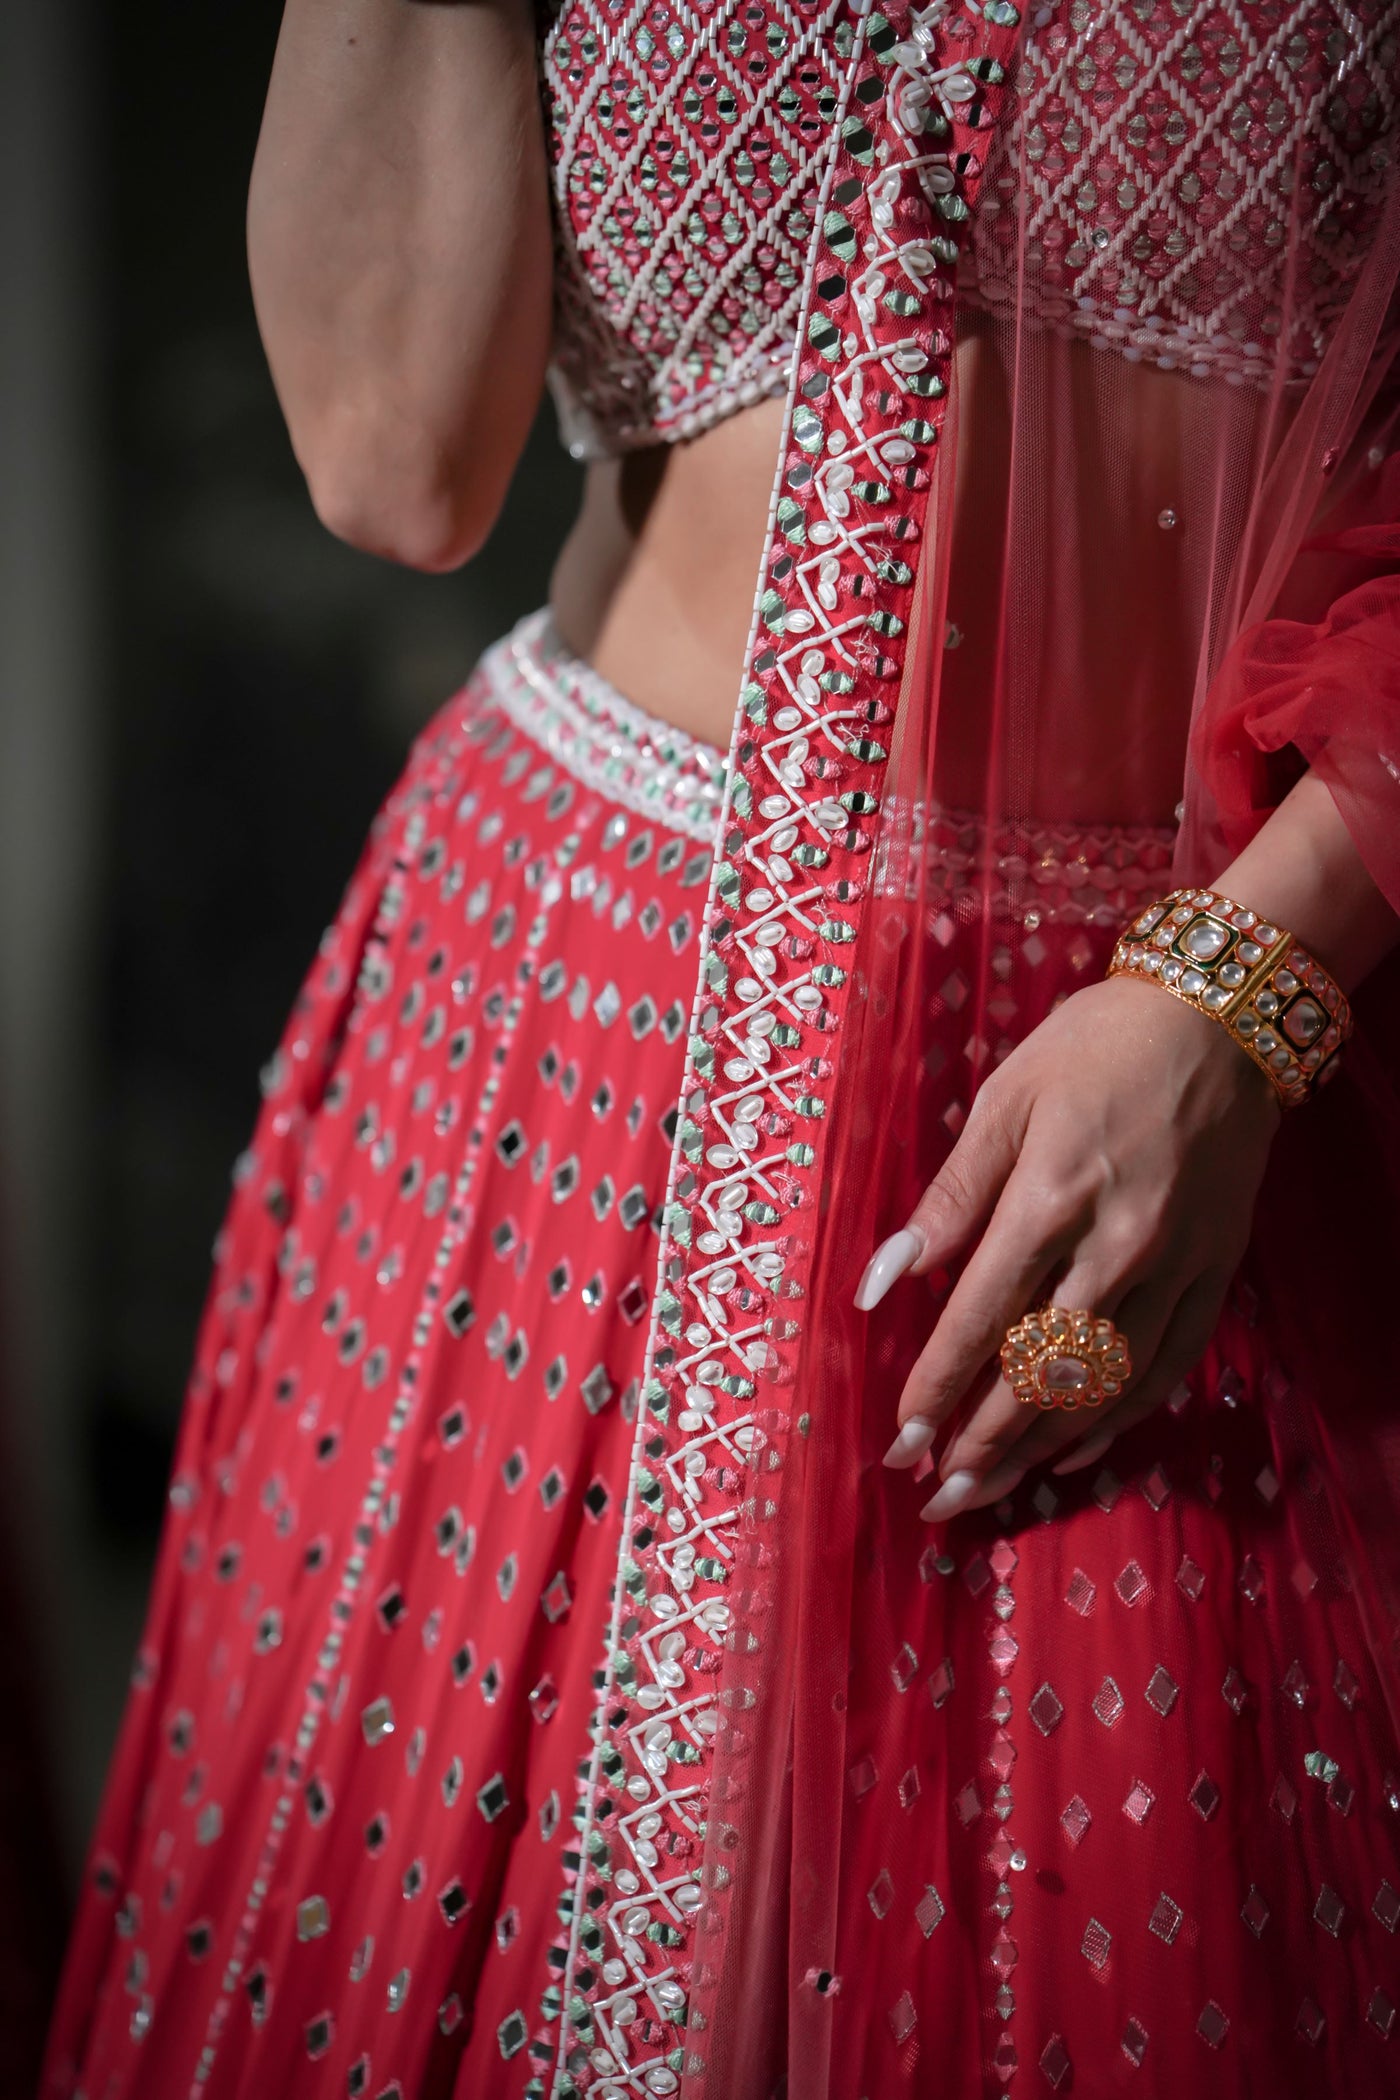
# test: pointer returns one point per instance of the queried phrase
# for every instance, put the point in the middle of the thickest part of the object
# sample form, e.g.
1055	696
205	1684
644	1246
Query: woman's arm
1307	874
399	249
1117	1151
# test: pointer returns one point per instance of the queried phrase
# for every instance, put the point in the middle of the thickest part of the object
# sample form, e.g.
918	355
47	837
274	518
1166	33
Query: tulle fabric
1318	681
1053	600
1142	598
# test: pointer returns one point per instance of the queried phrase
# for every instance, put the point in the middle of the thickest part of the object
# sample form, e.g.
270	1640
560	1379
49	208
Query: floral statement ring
1055	1358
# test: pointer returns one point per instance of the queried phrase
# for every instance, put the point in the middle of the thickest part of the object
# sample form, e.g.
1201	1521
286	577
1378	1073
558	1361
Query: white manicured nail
911	1443
957	1489
889	1262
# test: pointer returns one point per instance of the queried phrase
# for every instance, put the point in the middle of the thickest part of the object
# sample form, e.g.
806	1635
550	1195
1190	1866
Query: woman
547	1689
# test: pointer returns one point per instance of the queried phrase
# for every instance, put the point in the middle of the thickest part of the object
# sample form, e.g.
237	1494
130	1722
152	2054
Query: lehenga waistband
1071	871
1034	870
607	742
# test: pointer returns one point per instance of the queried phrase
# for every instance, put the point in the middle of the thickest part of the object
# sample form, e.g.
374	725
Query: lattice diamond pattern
690	144
1150	166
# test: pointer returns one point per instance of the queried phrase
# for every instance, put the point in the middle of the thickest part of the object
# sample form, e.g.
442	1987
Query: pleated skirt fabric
334	1840
329	1853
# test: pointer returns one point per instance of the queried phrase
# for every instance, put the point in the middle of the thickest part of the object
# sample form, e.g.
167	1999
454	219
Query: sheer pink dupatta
1094	534
1313	676
1292	653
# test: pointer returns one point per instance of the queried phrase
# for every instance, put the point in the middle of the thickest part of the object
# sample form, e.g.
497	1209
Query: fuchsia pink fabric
1082	541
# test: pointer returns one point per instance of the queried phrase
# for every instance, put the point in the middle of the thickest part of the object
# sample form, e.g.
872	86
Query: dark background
202	699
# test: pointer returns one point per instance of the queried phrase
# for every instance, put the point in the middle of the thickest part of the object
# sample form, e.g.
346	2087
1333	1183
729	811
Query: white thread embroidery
1142	195
660	163
804	770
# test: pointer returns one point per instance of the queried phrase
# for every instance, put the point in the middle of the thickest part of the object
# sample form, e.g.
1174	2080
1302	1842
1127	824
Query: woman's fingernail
1084	1456
889	1262
911	1443
957	1490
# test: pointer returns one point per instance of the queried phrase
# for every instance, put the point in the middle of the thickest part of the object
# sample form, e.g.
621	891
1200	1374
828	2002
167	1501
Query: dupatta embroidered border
918	98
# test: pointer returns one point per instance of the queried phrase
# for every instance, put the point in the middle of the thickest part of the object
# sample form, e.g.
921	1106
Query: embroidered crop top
1164	171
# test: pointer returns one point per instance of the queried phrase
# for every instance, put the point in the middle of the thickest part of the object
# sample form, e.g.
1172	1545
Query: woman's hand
1111	1163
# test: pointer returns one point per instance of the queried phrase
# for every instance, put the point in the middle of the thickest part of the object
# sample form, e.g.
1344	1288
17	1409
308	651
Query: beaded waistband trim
604	740
1036	871
1086	872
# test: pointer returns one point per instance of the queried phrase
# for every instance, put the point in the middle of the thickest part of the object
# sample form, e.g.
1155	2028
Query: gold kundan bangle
1274	998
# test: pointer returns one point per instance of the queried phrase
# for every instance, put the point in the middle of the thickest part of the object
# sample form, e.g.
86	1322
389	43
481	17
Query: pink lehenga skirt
1121	1805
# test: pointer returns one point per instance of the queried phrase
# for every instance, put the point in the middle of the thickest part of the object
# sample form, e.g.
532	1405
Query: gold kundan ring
1055	1358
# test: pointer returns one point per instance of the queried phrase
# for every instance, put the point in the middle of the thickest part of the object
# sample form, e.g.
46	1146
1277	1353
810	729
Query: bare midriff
655	585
